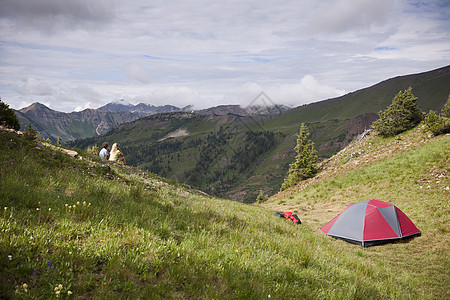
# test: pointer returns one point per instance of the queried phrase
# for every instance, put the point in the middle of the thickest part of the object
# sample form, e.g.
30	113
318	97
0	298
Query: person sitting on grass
104	153
116	154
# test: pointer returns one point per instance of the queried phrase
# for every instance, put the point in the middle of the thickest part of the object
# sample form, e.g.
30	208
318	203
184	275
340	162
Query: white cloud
168	95
307	90
32	86
137	73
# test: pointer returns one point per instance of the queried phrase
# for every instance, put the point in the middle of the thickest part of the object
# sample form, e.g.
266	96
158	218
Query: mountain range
93	122
52	124
141	109
228	154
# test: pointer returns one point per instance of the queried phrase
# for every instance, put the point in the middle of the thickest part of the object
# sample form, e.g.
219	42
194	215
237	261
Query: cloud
345	15
136	73
84	106
307	90
32	86
90	52
173	95
51	15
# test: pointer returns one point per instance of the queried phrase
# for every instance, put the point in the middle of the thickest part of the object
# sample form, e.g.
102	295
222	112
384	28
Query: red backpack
290	216
293	217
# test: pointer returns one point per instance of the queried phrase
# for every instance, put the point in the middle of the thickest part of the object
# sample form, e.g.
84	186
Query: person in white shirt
104	153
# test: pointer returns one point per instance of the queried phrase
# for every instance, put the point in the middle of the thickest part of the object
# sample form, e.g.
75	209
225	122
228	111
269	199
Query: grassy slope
412	174
134	235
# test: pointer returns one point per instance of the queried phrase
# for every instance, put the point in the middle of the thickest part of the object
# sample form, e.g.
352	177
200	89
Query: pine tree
30	133
8	117
438	124
305	164
261	197
402	114
446	109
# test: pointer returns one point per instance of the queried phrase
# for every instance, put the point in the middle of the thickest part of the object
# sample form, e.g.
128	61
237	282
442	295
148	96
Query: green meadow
81	228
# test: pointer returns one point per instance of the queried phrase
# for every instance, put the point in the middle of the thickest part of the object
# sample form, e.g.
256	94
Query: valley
230	151
232	154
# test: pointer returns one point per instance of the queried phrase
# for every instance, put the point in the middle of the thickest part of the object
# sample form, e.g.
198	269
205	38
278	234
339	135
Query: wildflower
49	208
10	257
69	293
25	286
6	208
67	205
84	203
78	202
37	208
60	286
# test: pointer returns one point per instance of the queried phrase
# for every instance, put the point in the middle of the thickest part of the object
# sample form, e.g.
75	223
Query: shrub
93	150
305	164
8	117
261	197
402	114
438	124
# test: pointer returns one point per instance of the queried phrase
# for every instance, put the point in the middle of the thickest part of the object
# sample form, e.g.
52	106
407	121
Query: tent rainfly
371	222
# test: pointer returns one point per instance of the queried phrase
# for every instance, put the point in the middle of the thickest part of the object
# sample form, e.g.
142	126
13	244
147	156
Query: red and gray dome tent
371	222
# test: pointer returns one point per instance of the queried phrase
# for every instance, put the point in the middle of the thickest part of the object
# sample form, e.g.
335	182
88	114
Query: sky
76	54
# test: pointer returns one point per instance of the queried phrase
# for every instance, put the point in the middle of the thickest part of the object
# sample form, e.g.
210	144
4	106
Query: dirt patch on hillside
177	133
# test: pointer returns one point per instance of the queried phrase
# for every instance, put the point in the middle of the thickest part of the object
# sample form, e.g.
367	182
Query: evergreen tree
261	197
305	164
438	124
8	117
30	133
446	109
402	114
